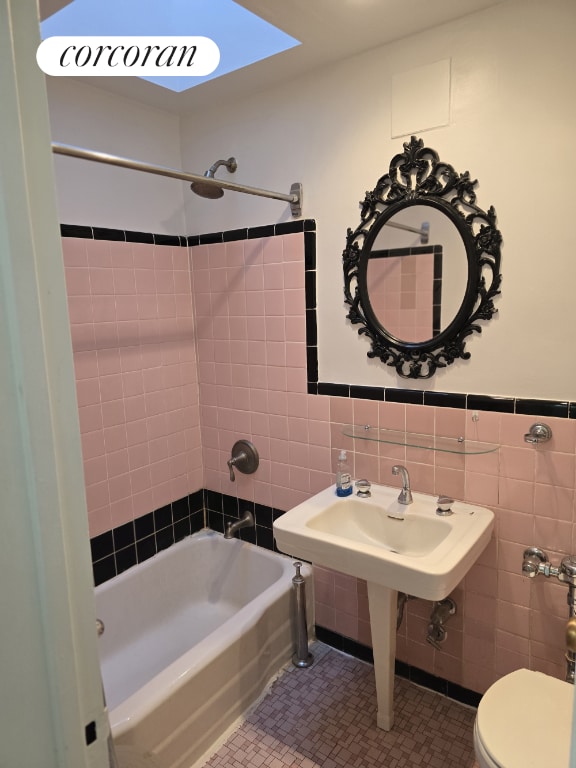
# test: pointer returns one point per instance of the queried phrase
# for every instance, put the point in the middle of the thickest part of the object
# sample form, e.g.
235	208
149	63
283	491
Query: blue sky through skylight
242	37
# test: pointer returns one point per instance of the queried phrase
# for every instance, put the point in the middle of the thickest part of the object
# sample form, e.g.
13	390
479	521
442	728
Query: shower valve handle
244	458
232	463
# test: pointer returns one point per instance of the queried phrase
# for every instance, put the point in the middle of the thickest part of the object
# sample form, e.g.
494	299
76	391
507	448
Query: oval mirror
422	267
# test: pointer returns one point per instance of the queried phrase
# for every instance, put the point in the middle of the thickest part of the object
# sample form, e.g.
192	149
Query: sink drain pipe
441	612
302	657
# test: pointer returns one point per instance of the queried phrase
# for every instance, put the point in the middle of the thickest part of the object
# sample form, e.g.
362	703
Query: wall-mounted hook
244	457
539	433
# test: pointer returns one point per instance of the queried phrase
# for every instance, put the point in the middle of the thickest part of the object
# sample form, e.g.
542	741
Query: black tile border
550	408
477	402
127	545
222	508
344	644
413	674
121	235
560	409
445	399
134	542
367	393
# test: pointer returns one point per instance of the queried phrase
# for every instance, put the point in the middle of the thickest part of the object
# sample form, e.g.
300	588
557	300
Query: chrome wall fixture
244	458
536	562
441	612
211	191
294	198
538	433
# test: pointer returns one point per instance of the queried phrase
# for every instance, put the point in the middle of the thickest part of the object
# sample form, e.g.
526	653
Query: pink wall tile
482	489
74	252
173	367
129	375
555	468
99	253
518	463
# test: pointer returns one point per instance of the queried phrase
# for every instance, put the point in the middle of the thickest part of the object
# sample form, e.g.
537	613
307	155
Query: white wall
512	124
512	120
104	196
51	683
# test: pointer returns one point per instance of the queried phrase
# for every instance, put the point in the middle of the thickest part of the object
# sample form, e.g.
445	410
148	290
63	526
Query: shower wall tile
130	307
250	357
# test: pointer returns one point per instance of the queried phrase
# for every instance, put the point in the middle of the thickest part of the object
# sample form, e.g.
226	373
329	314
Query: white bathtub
192	636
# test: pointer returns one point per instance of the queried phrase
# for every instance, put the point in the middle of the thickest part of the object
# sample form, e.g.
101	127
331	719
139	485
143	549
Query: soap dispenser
343	476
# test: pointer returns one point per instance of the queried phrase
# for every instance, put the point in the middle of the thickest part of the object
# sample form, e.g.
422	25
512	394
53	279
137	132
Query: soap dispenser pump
343	476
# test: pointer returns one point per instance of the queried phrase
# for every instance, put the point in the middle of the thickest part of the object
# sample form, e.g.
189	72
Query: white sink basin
424	554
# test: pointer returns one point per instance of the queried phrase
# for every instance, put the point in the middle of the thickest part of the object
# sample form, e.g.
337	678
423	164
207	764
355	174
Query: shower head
211	191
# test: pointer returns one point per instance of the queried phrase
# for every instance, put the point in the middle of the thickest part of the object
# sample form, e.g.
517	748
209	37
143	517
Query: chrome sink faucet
405	496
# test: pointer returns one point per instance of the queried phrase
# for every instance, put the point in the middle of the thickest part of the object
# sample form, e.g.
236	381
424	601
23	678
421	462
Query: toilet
524	720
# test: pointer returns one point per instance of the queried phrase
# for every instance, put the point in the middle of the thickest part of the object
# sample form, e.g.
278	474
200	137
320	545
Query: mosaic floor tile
326	716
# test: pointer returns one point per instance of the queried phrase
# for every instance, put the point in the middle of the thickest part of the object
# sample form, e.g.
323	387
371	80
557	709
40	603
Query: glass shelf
412	440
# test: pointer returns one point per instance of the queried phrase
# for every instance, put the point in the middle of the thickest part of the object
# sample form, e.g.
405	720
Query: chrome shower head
211	191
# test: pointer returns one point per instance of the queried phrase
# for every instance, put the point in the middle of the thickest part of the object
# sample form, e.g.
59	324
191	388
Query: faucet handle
363	487
244	457
444	506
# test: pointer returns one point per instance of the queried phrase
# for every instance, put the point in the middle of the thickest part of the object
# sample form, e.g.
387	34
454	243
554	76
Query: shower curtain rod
294	197
424	231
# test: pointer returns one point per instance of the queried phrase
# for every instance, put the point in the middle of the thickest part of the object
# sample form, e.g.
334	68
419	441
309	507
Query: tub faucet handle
232	463
244	458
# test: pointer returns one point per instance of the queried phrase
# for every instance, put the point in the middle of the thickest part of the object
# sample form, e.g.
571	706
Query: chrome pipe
535	562
294	198
302	657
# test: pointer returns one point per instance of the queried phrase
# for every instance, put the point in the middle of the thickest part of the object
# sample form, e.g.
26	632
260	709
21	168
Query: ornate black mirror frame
418	177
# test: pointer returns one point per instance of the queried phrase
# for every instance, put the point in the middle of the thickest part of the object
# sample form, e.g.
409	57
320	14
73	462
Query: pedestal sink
420	553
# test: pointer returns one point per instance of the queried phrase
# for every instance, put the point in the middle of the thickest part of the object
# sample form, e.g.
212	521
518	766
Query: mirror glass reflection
416	283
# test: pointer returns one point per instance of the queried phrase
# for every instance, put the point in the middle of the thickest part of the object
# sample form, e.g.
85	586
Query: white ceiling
329	30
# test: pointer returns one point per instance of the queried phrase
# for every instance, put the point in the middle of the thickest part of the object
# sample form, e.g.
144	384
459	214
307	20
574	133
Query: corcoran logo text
120	56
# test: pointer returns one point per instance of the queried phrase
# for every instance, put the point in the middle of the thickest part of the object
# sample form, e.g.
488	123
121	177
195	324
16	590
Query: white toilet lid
525	719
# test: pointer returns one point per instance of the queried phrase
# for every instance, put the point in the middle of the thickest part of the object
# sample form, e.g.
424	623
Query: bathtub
192	637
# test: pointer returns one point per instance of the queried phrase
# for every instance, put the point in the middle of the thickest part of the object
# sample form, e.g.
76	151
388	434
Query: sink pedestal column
383	604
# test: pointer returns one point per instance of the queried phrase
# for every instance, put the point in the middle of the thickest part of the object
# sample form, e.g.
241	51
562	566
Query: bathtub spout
247	521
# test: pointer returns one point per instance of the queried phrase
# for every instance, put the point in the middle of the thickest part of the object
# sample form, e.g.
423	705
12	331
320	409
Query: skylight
242	37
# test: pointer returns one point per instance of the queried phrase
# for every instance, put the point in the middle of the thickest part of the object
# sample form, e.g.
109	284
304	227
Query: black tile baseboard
222	508
413	674
127	545
119	549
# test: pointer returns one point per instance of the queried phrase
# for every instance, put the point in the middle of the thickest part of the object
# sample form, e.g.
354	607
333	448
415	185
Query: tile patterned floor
325	716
